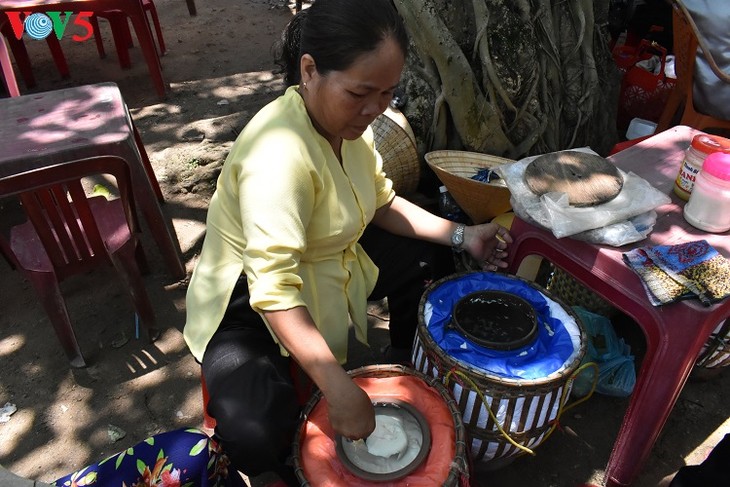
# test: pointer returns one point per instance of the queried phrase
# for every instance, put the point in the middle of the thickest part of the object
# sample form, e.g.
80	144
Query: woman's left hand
487	244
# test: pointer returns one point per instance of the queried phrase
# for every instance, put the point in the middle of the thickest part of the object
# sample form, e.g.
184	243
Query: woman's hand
487	244
351	412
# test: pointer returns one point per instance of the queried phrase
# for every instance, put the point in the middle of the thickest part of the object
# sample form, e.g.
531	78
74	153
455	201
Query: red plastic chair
20	53
681	97
6	69
121	33
68	233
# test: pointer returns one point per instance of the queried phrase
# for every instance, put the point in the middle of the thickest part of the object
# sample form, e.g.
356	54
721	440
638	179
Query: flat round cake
587	179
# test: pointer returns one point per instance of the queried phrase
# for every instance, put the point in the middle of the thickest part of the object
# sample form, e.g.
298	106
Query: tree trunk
510	77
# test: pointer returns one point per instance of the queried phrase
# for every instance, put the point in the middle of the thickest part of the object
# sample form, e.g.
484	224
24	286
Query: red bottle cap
708	143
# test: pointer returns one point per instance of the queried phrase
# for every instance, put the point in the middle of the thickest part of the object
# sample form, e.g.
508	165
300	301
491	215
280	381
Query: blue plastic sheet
548	353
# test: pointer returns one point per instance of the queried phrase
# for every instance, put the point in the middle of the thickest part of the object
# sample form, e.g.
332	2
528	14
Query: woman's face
342	104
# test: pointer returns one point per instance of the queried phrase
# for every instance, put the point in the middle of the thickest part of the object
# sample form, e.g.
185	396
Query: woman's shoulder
280	137
285	112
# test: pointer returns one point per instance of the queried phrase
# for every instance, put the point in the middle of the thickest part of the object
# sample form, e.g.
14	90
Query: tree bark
510	77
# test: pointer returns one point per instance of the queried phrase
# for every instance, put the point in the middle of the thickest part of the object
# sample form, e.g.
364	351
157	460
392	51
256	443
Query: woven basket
533	406
396	144
480	201
716	351
573	293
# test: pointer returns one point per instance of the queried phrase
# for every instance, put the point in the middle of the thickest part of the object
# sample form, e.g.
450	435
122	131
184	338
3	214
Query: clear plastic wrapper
553	212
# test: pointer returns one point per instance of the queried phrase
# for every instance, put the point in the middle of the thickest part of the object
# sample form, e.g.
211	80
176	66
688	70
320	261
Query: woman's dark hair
336	32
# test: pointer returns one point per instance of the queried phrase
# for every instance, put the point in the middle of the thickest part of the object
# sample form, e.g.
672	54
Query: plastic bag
646	85
616	371
632	230
553	211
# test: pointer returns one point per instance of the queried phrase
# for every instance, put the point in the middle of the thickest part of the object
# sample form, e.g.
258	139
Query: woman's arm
350	409
486	242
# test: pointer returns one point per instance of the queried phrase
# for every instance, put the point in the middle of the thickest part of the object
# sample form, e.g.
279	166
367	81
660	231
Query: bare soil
220	70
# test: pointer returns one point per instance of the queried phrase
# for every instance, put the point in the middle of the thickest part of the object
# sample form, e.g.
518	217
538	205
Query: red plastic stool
208	422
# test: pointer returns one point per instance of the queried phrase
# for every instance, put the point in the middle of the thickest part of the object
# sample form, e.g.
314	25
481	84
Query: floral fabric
179	458
688	270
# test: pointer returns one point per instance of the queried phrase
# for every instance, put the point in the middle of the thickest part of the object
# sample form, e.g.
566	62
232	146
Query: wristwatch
457	238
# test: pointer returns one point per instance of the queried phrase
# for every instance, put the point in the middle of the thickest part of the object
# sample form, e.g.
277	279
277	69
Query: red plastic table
131	8
43	129
675	333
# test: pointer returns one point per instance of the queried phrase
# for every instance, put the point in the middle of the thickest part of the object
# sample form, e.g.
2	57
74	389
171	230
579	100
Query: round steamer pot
495	319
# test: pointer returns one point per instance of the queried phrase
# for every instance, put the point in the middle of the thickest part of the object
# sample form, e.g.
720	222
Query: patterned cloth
688	270
179	458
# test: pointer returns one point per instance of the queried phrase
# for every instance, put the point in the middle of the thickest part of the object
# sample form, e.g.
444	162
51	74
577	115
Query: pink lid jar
708	207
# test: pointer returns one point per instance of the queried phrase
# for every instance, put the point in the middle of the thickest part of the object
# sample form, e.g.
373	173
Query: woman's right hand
351	412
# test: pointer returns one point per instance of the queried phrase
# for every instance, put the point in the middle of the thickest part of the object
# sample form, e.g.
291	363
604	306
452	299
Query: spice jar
708	207
702	145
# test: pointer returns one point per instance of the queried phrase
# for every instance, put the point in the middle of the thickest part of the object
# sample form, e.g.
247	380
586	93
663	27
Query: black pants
252	395
714	471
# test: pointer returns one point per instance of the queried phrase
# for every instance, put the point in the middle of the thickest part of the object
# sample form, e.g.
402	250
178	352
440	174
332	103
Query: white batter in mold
393	445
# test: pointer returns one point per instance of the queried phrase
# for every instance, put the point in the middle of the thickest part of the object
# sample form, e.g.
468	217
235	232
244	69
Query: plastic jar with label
708	207
702	145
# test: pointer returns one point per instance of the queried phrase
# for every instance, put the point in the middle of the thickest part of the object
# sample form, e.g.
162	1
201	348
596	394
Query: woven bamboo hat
396	144
480	201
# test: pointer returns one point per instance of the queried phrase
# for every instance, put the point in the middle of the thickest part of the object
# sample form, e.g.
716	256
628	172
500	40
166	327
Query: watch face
457	238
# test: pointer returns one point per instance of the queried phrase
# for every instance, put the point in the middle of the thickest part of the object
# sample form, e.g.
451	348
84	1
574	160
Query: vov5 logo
39	25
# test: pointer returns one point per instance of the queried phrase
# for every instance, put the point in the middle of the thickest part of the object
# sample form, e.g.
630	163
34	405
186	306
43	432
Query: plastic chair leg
47	287
124	261
97	36
158	28
148	166
6	66
7	252
191	7
141	259
58	57
122	38
20	53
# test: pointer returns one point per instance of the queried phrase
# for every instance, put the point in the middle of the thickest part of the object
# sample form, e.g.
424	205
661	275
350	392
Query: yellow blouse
289	215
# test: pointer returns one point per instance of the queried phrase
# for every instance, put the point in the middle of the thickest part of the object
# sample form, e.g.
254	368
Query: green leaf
141	466
120	457
101	190
199	447
88	479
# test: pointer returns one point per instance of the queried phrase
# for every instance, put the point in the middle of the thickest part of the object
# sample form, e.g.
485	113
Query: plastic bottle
449	209
709	204
702	145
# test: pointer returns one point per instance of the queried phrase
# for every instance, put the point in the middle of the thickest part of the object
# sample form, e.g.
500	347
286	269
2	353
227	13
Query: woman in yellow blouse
303	229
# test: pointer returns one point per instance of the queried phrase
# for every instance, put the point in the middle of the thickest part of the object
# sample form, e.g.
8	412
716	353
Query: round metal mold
348	450
495	319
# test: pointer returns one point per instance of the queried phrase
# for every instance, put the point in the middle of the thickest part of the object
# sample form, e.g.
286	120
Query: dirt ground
219	68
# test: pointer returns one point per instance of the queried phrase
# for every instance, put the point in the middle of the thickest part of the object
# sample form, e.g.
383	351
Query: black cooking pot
495	319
